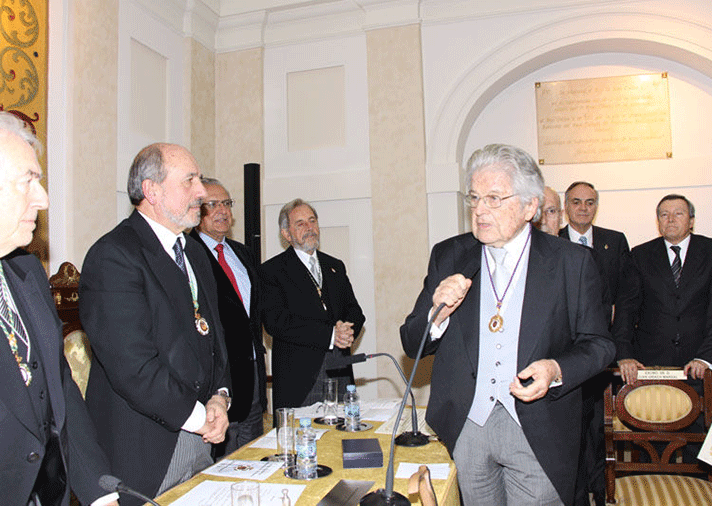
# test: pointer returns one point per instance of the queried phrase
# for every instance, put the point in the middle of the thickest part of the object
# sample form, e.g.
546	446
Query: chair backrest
654	416
65	292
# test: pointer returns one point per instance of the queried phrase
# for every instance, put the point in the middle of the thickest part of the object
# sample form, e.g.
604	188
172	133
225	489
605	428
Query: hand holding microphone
451	291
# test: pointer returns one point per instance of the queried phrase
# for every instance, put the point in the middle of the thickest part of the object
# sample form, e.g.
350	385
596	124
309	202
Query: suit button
33	457
35	365
197	385
42	394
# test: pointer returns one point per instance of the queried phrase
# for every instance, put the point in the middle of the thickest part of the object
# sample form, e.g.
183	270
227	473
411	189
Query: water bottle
352	409
305	444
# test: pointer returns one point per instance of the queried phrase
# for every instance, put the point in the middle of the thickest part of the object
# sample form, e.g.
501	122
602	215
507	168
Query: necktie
583	240
180	260
316	272
676	265
501	273
228	271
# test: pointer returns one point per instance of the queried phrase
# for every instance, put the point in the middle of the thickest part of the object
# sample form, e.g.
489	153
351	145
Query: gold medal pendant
201	324
496	324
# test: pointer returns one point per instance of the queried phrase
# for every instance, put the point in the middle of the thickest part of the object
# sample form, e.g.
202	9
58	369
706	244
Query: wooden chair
660	412
65	291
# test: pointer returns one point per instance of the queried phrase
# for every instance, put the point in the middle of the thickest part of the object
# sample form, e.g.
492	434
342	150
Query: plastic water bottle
305	445
352	409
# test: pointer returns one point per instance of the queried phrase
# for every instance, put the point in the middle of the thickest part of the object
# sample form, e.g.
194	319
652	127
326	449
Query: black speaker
253	216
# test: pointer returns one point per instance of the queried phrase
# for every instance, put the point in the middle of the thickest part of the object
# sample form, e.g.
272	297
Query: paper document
405	425
706	451
437	471
243	469
217	493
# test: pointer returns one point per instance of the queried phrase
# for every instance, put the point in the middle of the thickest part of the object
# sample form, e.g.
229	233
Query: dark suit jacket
563	318
84	461
658	323
612	249
300	327
149	365
241	331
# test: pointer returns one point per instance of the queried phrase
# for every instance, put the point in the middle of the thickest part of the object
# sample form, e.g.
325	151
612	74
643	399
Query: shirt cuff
196	419
333	336
104	500
437	331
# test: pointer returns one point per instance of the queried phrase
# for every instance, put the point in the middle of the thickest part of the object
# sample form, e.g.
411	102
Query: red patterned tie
226	268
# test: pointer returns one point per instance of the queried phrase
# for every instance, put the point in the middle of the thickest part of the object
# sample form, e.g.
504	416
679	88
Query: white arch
681	40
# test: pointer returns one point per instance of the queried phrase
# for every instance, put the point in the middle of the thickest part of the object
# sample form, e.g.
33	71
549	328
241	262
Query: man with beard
158	386
309	310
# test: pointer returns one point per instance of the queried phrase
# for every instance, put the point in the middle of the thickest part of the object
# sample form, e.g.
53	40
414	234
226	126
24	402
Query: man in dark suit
239	305
522	327
158	386
610	252
309	310
664	316
48	443
665	313
611	246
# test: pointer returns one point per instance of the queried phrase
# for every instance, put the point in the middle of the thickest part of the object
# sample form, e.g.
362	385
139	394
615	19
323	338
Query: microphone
412	438
387	497
113	484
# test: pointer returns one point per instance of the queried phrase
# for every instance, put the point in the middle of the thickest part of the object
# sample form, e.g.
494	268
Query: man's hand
451	291
343	334
543	372
695	369
216	421
629	369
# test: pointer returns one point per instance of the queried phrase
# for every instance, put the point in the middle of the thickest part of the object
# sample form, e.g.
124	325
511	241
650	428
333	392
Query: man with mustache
159	380
239	296
309	310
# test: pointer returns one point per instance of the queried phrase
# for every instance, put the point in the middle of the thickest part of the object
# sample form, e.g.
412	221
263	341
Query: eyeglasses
213	204
491	201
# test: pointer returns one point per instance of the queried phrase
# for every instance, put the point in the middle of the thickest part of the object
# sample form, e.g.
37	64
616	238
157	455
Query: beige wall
202	106
239	123
400	236
94	119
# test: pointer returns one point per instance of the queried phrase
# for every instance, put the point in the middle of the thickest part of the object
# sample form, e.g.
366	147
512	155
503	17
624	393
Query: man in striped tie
664	313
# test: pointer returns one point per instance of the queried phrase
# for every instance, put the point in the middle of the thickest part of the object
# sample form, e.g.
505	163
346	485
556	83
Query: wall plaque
603	119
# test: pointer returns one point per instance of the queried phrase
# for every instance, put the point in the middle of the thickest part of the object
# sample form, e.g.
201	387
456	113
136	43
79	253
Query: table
329	453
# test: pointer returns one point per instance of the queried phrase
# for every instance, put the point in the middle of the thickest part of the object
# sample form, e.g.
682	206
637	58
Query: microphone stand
387	497
414	437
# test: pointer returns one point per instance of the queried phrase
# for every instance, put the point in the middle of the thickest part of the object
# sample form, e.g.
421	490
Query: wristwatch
224	394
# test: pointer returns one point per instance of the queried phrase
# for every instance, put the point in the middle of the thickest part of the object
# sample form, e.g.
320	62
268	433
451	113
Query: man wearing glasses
550	220
522	327
236	276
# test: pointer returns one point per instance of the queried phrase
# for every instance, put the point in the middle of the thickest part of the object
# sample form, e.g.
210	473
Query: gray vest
497	362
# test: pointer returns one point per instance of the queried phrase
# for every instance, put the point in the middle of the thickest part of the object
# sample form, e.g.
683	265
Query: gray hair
527	181
675	196
214	182
283	219
148	164
14	125
574	185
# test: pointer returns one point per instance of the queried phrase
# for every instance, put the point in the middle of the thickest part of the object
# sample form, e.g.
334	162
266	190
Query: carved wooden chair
65	291
647	416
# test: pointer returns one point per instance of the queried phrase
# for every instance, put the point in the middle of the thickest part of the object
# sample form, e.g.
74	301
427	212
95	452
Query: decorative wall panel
23	79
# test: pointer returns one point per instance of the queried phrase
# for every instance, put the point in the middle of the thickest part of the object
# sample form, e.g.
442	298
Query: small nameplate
661	374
